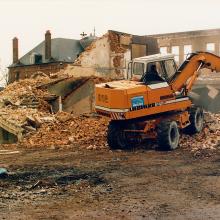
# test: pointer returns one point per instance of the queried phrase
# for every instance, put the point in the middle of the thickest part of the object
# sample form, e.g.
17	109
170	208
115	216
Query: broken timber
11	127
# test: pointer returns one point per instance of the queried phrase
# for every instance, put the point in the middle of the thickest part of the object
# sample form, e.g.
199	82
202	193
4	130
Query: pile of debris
206	142
63	129
26	113
25	94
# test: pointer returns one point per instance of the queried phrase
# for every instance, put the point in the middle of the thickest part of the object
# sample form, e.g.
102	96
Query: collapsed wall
29	103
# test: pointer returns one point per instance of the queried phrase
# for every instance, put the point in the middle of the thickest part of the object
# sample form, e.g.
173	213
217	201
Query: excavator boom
192	64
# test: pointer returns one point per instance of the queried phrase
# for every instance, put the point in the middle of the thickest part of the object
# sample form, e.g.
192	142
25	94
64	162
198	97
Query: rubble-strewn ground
100	184
62	168
24	104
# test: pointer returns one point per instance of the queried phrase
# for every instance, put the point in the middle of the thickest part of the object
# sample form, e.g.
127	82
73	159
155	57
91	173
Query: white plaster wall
127	59
98	55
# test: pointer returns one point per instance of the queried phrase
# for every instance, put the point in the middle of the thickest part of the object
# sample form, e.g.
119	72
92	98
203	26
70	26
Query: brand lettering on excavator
158	104
103	98
166	97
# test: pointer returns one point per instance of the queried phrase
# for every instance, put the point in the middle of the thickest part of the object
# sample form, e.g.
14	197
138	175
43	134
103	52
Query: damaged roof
62	50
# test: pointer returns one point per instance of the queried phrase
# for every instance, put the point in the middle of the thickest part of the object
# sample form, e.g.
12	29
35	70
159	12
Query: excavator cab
139	68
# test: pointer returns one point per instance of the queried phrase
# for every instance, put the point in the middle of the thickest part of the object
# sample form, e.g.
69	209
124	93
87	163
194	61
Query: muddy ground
140	184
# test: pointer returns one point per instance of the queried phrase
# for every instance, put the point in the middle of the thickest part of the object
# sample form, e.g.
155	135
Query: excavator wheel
196	121
116	137
168	135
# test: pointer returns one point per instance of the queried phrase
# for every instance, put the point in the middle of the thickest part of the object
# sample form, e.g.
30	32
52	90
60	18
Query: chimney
47	45
15	50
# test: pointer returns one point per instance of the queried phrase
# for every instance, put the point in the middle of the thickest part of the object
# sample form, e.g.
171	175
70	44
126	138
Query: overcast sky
29	19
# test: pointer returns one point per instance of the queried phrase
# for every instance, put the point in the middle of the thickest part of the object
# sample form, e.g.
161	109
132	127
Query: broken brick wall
22	72
107	56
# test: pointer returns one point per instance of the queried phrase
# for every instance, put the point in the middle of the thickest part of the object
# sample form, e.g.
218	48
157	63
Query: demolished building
104	56
65	68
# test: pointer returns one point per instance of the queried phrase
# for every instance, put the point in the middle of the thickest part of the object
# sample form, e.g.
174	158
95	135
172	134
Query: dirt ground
101	184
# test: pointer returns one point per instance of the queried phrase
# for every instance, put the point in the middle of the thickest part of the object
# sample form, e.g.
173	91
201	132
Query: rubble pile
207	141
25	93
63	129
25	112
20	116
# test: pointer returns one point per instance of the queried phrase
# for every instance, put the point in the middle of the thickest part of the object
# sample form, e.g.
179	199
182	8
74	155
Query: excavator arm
188	71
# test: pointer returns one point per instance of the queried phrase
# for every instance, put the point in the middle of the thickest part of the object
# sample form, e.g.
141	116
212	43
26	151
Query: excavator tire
196	119
116	137
168	135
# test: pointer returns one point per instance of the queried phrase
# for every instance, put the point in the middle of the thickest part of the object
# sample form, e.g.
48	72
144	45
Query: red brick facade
22	72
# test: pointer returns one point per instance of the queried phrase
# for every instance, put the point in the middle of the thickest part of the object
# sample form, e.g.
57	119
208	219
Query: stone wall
198	41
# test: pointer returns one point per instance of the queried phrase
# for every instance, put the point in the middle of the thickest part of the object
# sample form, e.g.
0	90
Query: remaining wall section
106	56
23	72
204	40
110	54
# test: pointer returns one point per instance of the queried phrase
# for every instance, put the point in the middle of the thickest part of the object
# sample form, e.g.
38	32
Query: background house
50	56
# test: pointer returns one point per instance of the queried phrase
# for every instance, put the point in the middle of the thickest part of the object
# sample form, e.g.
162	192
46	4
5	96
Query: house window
210	47
38	58
17	76
176	50
187	50
163	50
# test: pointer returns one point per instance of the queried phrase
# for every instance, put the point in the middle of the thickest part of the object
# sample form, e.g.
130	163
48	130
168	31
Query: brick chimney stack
47	45
15	50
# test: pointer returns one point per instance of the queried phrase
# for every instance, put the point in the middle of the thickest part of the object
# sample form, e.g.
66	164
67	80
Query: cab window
138	69
170	68
158	67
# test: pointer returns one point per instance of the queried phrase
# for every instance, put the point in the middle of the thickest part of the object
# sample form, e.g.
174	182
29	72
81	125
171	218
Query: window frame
175	54
164	48
210	51
184	51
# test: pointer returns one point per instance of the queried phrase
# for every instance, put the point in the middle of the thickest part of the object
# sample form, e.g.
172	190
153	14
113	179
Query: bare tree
4	79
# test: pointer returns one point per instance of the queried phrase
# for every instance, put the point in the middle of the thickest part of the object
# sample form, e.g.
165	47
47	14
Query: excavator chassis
125	134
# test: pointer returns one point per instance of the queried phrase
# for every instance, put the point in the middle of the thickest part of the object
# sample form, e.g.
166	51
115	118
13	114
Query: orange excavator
154	102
